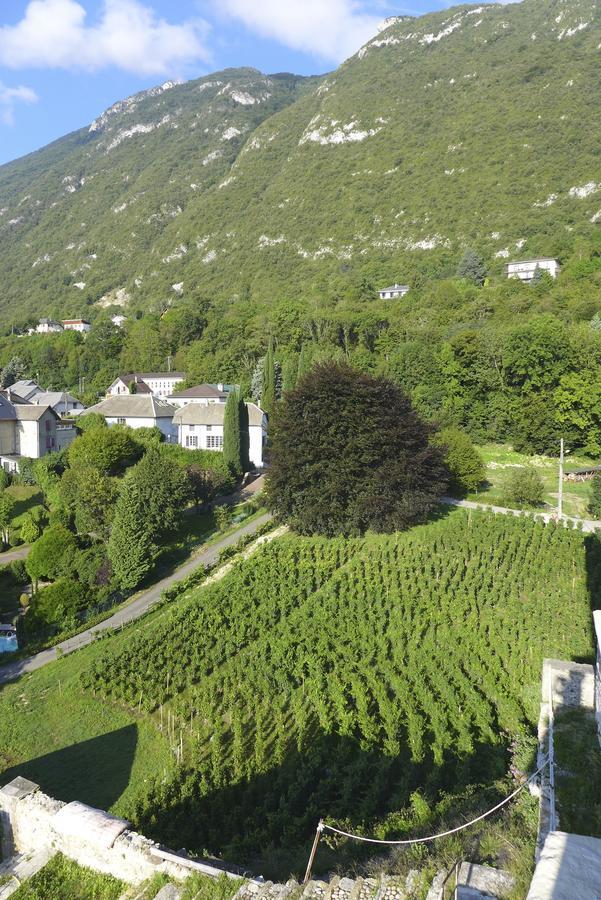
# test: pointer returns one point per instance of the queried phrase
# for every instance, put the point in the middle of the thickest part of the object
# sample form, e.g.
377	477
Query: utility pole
560	492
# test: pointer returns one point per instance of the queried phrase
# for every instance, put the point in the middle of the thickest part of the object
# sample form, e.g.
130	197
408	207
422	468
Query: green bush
525	487
594	506
463	460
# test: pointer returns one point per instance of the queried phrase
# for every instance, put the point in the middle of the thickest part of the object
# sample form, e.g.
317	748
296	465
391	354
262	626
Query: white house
524	269
25	430
200	427
161	384
201	393
137	411
393	292
76	325
45	326
118	320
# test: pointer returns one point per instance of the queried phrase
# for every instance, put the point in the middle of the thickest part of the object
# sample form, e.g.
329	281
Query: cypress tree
268	396
232	438
130	547
472	267
304	362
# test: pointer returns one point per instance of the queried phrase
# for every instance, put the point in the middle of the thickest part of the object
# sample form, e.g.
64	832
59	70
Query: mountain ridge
468	126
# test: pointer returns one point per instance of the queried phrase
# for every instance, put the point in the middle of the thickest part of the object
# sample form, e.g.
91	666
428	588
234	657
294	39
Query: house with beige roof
142	410
200	427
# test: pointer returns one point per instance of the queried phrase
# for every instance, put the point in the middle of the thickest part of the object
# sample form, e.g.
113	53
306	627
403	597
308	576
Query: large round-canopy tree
349	453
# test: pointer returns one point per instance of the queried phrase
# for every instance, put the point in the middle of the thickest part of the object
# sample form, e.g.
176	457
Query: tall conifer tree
232	439
269	396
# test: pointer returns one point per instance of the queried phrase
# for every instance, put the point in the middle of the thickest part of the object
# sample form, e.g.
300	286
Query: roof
53	398
395	287
584	470
201	391
31	412
179	375
539	259
25	388
213	414
7	410
133	406
76	321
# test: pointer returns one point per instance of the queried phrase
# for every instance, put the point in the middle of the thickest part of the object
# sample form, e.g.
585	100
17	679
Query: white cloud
331	30
129	35
9	96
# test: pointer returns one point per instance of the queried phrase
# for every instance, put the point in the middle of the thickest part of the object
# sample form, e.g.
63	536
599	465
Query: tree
203	483
90	498
30	529
349	453
7	506
152	498
594	506
471	266
463	460
232	438
223	517
525	487
53	554
11	372
131	549
110	450
268	397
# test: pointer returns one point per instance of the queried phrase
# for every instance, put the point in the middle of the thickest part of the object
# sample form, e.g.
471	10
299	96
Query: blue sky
62	62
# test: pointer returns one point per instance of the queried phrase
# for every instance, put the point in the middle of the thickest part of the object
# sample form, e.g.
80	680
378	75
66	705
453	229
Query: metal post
560	492
318	831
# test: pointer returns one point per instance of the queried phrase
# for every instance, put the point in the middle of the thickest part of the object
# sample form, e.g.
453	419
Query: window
209	427
48	426
191	440
214	442
121	421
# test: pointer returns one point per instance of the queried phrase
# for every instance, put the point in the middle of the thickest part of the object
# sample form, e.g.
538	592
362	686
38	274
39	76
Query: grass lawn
501	460
77	747
27	497
578	772
63	879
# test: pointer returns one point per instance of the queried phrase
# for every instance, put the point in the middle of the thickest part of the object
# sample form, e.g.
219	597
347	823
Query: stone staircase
17	869
386	887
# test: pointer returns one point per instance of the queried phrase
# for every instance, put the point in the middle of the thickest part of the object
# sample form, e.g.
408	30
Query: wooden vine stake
318	832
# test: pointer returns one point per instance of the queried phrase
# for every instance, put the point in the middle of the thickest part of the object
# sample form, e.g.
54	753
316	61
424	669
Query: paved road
587	524
12	555
133	610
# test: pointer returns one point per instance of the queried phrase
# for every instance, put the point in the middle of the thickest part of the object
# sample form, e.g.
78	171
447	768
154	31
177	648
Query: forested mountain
476	125
242	210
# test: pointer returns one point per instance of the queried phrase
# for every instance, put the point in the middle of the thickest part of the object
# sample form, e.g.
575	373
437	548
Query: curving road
133	610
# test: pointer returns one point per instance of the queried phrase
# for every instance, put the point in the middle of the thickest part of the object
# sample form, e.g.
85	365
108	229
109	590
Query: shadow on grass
107	761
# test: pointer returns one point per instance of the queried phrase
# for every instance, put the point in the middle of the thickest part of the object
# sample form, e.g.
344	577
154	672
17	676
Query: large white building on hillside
162	384
137	411
394	292
200	427
525	269
81	325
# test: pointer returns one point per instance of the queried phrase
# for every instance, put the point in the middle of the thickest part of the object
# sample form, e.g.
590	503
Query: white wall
165	424
35	439
202	433
525	270
255	448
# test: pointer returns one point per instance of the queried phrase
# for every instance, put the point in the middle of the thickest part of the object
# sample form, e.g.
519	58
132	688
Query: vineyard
383	682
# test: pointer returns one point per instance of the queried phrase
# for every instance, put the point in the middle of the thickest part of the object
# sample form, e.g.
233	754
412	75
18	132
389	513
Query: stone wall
30	820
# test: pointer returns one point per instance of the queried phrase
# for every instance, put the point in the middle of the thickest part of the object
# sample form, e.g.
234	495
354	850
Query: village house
200	427
46	326
142	410
81	325
202	393
394	292
525	269
62	402
161	384
26	430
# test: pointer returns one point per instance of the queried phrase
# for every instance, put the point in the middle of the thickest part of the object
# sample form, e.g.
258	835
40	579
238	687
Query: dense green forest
377	681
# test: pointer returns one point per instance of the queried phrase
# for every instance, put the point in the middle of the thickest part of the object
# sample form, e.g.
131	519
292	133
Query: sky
62	62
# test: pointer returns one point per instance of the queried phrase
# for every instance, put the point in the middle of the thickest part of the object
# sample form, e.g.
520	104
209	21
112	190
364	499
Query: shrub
594	506
463	460
525	487
223	517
